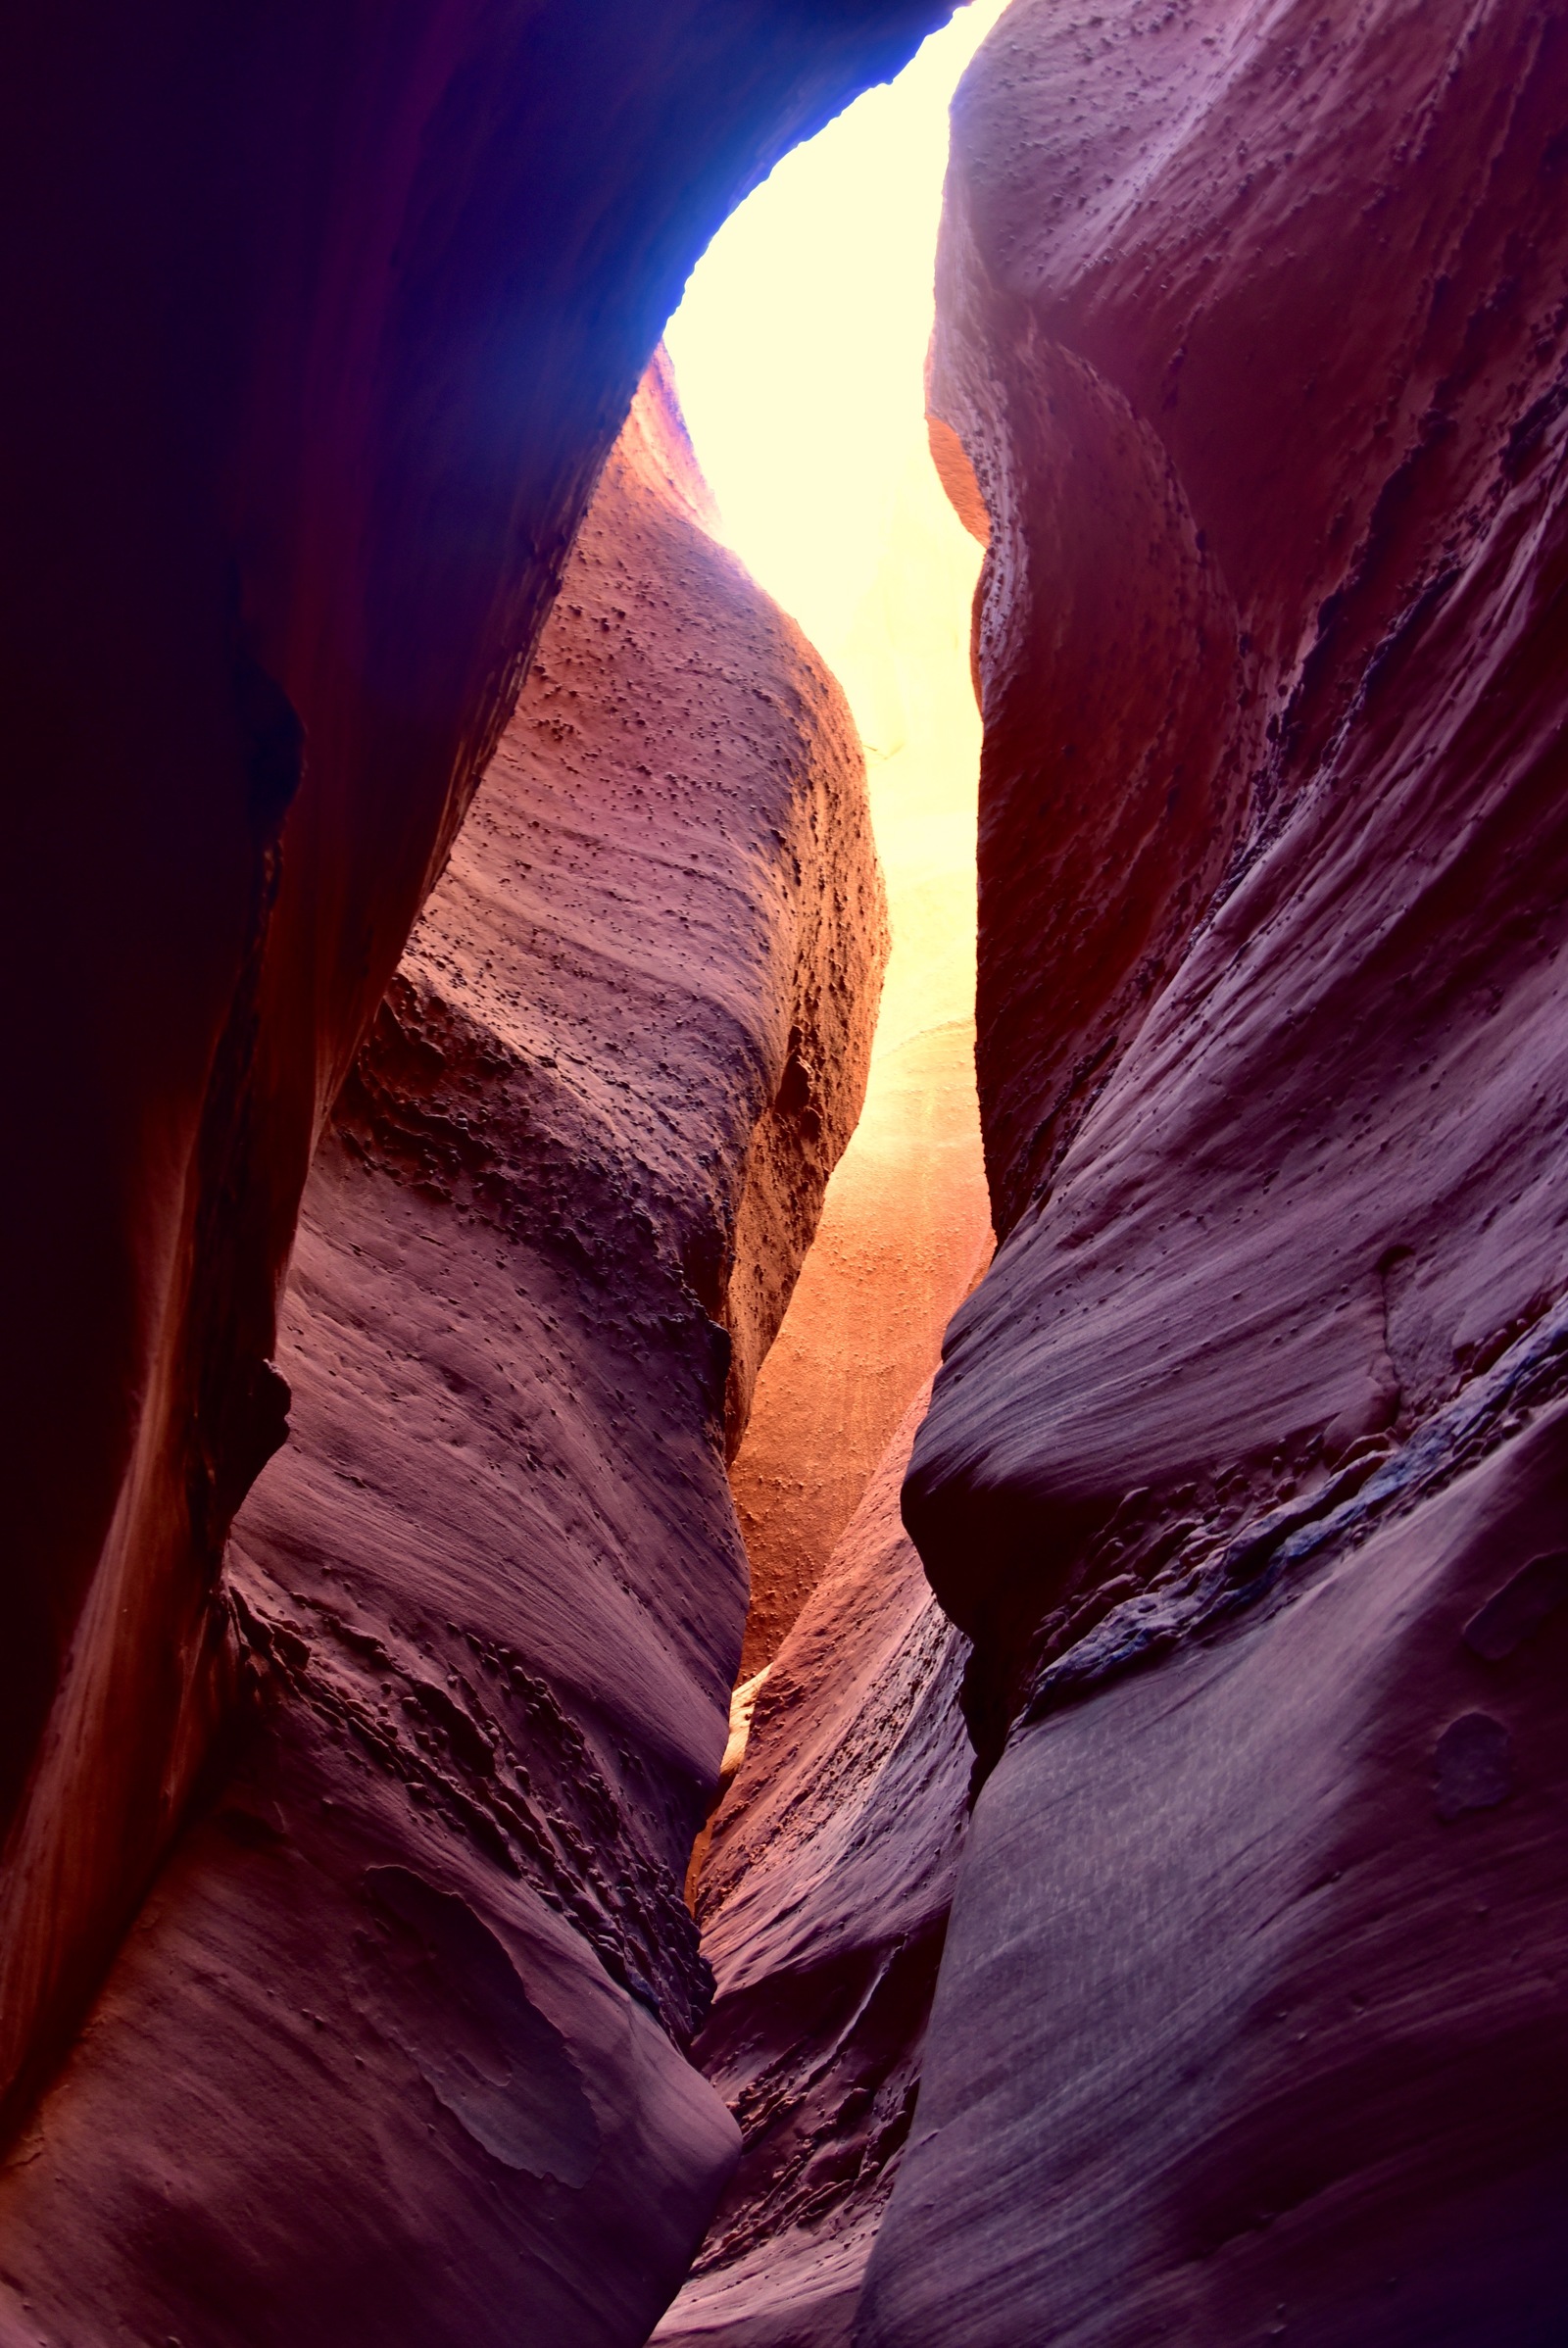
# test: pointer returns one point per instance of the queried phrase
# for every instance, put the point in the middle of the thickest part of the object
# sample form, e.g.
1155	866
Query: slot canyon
787	1389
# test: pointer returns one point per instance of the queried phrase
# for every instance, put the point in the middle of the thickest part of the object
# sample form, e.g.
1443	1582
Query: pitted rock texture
824	1905
321	329
1259	1396
395	2051
1240	461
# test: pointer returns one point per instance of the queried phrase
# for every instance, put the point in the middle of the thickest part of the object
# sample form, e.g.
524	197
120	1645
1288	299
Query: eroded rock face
396	2050
1251	1996
823	1906
1253	329
318	335
1317	1191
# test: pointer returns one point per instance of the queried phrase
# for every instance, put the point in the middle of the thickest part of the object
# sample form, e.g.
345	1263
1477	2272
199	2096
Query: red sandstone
395	2049
1253	327
318	327
1243	1480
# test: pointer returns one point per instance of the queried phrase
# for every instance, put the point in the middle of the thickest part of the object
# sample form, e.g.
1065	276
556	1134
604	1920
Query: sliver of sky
800	346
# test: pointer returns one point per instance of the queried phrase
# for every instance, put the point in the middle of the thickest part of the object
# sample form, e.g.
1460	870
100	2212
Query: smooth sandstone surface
396	2049
1326	1093
1316	1189
1252	326
319	328
824	1905
1243	1483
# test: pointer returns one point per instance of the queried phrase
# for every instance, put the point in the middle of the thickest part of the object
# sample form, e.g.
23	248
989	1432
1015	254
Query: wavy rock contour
396	2049
1249	1446
320	326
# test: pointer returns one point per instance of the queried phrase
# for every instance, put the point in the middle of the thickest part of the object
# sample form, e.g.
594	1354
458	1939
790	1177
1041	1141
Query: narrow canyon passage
820	1882
617	1144
799	352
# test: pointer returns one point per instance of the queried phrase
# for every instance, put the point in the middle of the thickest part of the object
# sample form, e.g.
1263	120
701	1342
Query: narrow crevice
821	1878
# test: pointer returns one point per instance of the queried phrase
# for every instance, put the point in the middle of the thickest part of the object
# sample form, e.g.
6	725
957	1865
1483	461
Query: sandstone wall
320	324
1243	1466
396	2049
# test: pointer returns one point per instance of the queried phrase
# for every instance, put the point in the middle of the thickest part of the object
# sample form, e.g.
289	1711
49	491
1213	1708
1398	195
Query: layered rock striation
396	2049
320	331
1242	1481
1244	1467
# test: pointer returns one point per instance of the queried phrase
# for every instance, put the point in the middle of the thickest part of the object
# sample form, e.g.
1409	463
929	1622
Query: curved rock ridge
1253	327
322	327
1315	1192
395	2051
824	1905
